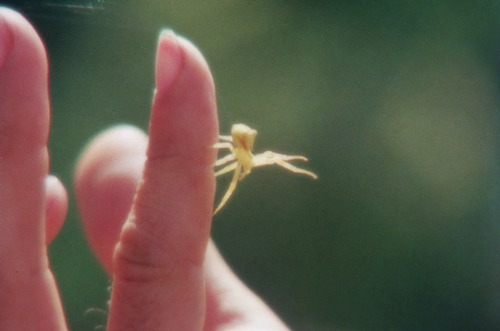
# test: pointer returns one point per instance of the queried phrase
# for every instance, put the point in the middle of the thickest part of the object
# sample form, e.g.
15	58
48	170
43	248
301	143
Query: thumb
158	263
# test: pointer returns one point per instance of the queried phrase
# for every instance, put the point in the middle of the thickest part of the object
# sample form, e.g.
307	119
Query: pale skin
167	274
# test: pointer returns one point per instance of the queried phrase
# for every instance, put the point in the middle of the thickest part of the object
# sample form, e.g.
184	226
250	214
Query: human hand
167	274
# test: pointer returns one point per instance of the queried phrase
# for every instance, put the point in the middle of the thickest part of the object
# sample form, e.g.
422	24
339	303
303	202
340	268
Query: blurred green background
396	104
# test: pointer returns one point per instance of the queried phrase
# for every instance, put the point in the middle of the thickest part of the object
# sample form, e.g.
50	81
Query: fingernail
5	41
168	60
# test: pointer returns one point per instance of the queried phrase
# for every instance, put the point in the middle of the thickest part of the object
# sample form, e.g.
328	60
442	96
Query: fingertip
19	36
110	145
184	117
106	178
56	207
169	60
24	82
6	39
